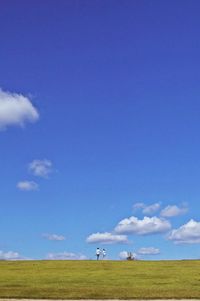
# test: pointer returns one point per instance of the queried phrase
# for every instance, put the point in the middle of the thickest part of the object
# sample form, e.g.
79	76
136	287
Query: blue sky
99	129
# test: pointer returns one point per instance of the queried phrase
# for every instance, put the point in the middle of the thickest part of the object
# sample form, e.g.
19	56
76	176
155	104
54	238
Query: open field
100	280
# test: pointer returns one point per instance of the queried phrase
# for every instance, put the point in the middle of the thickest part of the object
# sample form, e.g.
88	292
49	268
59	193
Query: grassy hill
102	279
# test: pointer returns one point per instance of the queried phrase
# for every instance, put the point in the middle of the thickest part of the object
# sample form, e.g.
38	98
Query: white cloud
27	185
41	168
148	251
148	210
54	237
106	238
189	233
65	256
124	254
173	210
10	255
138	205
16	109
149	225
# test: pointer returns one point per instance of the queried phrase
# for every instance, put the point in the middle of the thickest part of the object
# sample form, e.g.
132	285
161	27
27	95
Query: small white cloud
148	251
151	209
10	255
106	238
54	237
148	225
173	210
138	206
66	256
186	234
27	185
41	168
124	255
148	210
16	109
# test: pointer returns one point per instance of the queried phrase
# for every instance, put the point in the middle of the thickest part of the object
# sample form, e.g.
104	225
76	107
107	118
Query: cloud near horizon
66	256
106	238
148	251
124	254
16	109
10	255
148	225
188	233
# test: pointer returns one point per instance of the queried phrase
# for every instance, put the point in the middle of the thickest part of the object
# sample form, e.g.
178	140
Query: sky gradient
99	129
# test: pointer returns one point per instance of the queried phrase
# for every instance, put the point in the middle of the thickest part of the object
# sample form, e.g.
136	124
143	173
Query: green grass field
100	280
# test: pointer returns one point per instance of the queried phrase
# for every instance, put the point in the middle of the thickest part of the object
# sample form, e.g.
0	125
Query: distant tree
130	256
